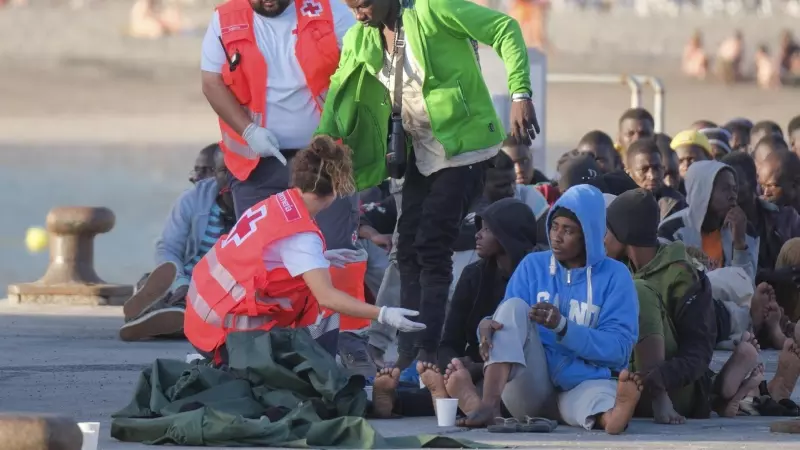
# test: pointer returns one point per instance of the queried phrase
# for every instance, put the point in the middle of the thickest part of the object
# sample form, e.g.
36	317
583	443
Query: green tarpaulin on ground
269	375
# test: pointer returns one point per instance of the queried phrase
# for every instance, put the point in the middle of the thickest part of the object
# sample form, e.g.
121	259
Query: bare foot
629	389
664	411
433	380
475	369
758	303
447	371
458	383
731	408
782	384
738	367
772	324
384	389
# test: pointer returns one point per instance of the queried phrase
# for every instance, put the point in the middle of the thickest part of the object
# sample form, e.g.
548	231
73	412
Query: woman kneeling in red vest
272	269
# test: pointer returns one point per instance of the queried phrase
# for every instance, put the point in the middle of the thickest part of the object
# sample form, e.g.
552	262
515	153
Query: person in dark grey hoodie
506	233
714	222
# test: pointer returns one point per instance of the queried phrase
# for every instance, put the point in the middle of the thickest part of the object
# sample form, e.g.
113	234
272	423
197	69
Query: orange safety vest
231	290
316	50
350	279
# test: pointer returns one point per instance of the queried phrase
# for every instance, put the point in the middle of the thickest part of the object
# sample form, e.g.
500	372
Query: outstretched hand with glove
396	318
263	142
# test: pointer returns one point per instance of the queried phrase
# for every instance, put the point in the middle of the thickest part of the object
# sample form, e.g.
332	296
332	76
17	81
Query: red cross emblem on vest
311	9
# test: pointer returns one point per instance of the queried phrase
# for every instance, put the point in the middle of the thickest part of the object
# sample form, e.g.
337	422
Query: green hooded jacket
462	115
672	273
663	286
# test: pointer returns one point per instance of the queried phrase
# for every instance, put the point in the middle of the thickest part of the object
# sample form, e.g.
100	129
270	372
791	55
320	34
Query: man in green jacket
677	317
449	121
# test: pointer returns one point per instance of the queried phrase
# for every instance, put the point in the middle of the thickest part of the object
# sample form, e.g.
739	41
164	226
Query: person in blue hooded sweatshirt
559	344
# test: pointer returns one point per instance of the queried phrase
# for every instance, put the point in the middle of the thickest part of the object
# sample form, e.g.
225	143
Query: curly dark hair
324	168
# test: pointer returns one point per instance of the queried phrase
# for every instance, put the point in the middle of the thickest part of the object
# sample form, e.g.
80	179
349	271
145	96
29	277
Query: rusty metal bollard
45	432
70	277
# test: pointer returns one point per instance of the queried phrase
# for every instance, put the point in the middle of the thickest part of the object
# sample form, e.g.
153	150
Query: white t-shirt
291	111
429	152
298	254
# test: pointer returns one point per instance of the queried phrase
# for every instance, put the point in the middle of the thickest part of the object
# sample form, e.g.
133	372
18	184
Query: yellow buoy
36	239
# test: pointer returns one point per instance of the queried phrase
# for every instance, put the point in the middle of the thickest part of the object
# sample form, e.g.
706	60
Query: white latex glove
263	142
396	318
340	257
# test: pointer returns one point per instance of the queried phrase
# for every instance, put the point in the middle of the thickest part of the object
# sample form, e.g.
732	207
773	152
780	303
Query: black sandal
791	408
767	406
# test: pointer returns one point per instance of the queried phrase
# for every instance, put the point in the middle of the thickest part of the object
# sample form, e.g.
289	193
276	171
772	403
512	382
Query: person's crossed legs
768	317
740	375
783	383
516	374
155	310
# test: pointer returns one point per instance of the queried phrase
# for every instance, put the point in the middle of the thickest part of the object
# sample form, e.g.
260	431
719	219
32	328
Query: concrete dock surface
69	360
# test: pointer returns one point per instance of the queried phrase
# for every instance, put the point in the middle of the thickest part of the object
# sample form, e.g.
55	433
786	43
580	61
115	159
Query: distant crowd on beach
771	70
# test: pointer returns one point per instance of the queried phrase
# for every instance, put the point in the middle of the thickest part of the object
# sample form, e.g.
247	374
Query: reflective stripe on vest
223	277
237	144
316	51
237	292
233	282
201	306
237	322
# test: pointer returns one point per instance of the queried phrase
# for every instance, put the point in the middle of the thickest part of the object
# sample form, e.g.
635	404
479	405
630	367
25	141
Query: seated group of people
588	300
652	252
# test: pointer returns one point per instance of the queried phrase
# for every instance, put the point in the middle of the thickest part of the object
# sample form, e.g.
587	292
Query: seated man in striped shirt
198	218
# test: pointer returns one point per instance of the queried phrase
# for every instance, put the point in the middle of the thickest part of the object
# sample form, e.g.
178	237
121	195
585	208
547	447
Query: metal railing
659	107
634	83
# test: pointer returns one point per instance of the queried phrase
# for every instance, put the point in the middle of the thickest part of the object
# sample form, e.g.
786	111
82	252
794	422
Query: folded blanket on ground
280	389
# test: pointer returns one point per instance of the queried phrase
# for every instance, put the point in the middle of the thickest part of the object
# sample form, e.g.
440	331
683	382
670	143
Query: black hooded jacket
481	286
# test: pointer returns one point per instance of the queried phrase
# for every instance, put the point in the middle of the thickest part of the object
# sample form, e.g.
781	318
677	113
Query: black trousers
268	178
432	210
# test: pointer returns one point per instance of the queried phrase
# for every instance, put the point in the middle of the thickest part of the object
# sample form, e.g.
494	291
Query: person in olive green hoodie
450	124
677	317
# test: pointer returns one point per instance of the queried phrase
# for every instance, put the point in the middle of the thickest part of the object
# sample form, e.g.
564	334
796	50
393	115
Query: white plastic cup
446	409
368	390
421	384
91	434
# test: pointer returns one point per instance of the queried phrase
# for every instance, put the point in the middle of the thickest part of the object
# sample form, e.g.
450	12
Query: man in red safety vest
266	67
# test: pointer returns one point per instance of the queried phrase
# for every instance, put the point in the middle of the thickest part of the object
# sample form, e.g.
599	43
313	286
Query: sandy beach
73	76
